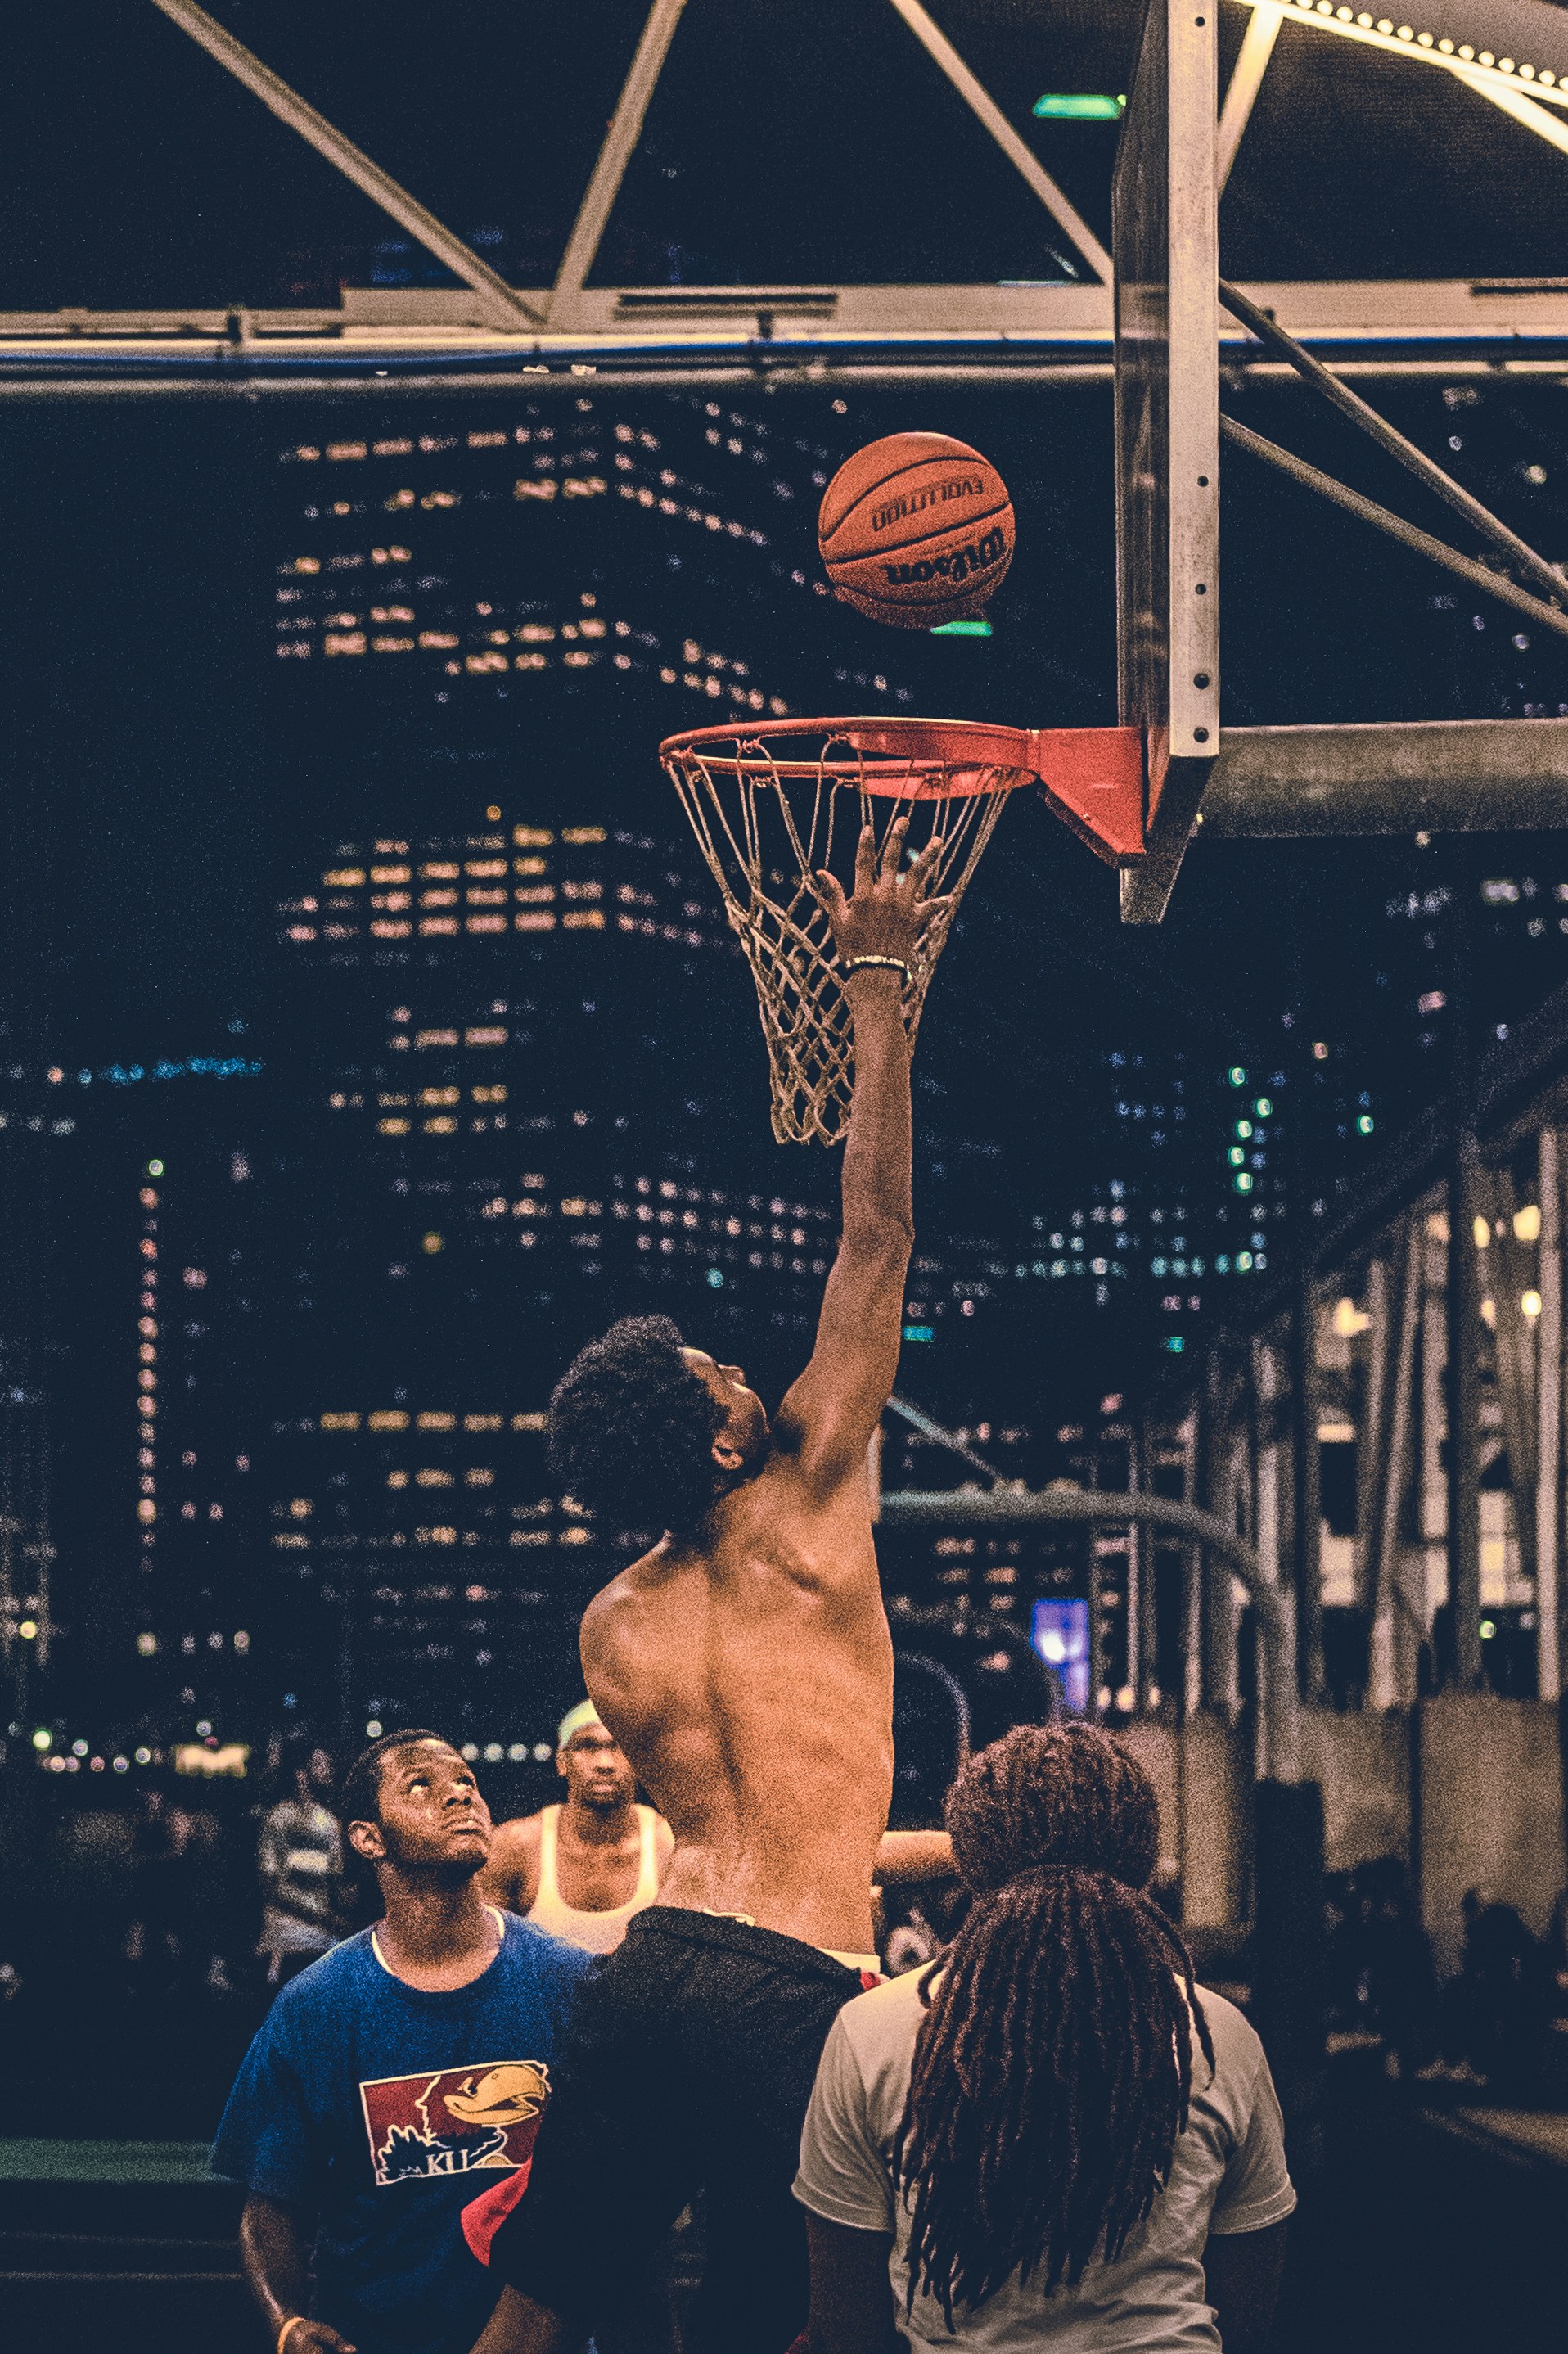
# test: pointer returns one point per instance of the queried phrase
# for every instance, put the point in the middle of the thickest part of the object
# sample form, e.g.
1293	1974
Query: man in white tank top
581	1871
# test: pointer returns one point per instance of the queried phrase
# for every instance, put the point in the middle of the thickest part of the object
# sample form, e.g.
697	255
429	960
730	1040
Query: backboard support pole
1165	236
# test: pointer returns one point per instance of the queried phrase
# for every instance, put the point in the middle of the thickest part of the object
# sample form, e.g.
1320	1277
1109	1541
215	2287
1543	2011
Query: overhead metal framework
486	330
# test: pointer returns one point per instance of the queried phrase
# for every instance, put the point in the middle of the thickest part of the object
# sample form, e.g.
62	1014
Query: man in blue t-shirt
396	2079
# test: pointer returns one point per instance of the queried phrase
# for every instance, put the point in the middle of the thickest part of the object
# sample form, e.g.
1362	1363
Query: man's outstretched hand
889	909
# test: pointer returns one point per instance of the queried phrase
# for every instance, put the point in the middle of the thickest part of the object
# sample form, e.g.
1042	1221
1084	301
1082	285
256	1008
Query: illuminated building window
435	1096
383	930
435	1419
479	1478
482	1421
582	833
343	642
435	1037
535	633
530	866
434	1479
490	1095
437	898
392	1127
532	837
484	869
535	922
534	893
341	449
396	1479
388	1418
588	920
485	898
437	641
345	878
391	873
483	1037
340	1422
442	1126
437	924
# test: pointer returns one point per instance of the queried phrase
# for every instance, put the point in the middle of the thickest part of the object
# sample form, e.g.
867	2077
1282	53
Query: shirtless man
579	1871
745	1665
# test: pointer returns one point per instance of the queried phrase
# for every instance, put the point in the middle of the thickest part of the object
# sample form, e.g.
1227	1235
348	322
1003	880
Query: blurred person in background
394	2079
1050	2136
1494	2016
1398	1975
581	1869
160	1870
299	1861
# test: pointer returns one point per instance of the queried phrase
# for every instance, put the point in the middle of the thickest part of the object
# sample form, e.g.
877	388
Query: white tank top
596	1932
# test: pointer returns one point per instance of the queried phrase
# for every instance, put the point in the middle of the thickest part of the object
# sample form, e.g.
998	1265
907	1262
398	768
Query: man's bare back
747	1669
751	1684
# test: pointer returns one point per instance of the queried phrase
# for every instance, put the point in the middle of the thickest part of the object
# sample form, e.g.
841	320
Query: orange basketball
915	529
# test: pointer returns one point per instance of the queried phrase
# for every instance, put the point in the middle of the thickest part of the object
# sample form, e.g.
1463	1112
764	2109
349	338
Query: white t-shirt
1227	2175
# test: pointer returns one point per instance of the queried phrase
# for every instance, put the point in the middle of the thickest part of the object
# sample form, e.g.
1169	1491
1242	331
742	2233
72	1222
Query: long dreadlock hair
1054	2065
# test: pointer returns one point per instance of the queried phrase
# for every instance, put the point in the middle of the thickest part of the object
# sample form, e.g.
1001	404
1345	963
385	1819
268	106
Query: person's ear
366	1840
561	1764
729	1458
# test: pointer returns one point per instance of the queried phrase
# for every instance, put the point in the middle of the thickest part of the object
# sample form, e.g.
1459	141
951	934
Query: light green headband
573	1720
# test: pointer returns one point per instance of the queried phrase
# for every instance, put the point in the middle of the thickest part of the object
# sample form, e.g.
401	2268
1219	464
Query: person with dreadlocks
1049	2137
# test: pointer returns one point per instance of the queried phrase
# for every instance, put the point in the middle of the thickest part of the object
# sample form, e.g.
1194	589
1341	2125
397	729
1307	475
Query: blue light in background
1059	1631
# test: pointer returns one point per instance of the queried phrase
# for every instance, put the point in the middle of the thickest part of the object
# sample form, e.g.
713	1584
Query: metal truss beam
1022	156
504	306
439	339
619	145
1246	80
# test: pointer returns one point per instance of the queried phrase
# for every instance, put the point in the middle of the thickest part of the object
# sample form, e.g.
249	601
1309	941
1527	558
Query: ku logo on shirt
458	2121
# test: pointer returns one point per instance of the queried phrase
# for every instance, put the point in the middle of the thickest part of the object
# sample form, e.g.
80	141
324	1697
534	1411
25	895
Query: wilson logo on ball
965	486
956	565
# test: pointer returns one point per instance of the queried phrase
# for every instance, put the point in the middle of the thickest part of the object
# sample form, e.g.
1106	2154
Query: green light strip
961	628
1080	107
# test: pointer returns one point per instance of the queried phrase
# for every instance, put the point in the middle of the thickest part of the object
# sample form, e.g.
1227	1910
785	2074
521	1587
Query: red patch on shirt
457	2121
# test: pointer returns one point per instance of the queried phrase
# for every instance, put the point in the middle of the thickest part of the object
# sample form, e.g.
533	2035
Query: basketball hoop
774	804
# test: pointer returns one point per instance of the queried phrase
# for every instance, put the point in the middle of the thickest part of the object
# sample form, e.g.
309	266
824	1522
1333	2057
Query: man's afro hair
632	1427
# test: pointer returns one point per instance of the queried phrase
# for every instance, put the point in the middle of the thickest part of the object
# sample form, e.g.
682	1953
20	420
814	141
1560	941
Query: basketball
915	529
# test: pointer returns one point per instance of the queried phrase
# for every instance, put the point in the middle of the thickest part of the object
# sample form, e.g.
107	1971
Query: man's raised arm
829	1414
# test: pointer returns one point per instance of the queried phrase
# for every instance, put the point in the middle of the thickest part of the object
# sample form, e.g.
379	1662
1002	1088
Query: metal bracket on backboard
1165	239
1092	779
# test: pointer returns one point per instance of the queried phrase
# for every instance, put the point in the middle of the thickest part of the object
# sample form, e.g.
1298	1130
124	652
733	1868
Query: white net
772	810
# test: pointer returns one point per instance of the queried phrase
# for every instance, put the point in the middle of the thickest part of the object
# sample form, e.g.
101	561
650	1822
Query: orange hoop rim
975	756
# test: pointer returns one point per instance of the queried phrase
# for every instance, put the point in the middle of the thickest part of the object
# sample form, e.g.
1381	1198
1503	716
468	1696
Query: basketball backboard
1165	245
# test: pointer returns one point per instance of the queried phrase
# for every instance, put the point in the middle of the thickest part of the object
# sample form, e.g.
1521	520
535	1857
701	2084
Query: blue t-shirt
386	2110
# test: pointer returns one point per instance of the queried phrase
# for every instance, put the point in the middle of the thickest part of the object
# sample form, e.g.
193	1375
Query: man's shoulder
532	1951
343	1974
884	2018
1238	2049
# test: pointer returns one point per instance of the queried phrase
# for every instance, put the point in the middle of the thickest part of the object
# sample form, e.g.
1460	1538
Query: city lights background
370	1035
